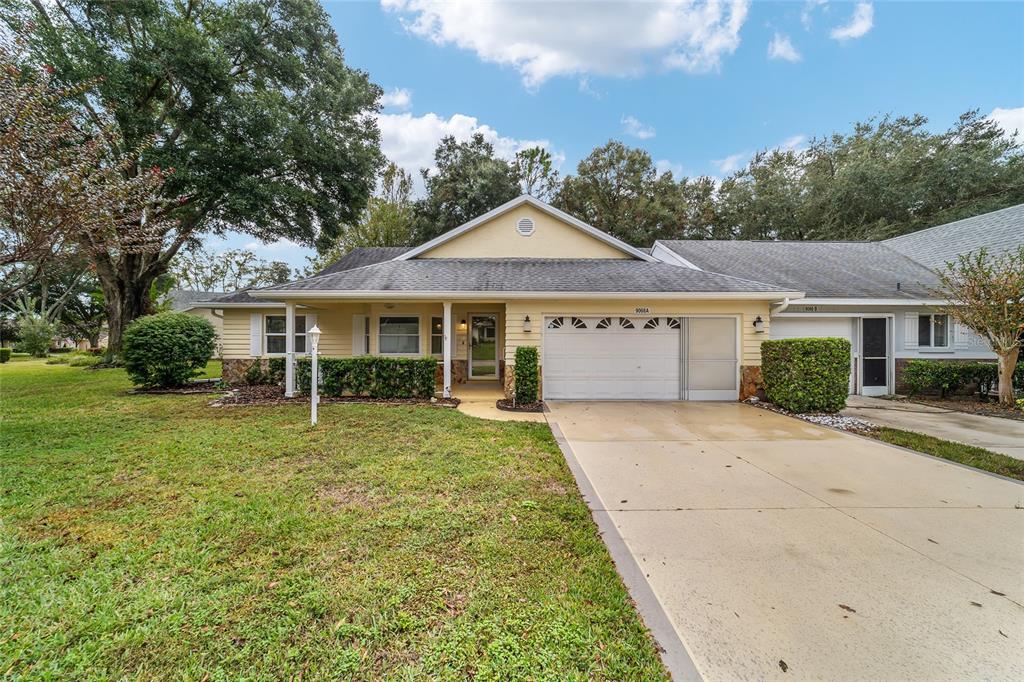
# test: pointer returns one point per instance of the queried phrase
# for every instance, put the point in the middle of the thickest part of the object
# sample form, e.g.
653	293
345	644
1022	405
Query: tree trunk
126	294
1007	363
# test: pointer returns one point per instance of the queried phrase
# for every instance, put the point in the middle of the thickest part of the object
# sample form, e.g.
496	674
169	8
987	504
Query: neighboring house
997	232
185	301
610	321
879	295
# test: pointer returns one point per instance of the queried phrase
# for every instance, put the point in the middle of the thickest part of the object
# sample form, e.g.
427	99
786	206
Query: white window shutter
255	335
961	335
359	335
910	331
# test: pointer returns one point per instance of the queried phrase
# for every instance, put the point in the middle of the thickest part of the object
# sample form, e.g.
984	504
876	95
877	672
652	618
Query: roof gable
554	234
998	232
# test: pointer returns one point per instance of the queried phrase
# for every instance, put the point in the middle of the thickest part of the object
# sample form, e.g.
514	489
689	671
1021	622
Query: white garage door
639	358
813	327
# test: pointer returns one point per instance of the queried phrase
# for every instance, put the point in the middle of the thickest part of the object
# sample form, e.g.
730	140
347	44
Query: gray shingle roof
362	256
240	296
998	231
183	299
821	269
526	274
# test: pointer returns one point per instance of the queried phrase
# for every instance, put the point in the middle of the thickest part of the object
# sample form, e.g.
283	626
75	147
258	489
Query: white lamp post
314	396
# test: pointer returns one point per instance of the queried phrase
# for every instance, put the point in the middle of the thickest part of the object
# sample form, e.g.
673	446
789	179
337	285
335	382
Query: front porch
466	338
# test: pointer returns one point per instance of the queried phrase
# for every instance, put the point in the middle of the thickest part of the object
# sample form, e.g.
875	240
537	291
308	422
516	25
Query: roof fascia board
539	205
519	295
874	301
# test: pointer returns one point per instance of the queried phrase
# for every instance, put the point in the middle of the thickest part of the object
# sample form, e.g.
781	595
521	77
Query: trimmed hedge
527	375
5	355
255	376
946	376
168	349
806	375
371	376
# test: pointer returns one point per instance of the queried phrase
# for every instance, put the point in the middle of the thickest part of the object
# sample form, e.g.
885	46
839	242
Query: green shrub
806	375
167	350
946	376
57	360
5	355
274	374
84	361
527	374
370	376
36	335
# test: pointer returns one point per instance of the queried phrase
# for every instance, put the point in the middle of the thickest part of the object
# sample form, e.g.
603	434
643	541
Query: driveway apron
779	549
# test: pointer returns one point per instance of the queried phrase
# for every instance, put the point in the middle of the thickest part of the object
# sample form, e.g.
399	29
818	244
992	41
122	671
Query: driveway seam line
674	653
842	510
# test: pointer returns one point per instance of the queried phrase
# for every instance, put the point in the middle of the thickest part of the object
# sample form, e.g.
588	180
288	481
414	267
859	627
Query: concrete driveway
774	548
992	433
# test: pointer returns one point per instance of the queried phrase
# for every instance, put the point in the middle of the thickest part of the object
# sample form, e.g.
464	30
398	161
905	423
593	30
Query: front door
874	356
483	346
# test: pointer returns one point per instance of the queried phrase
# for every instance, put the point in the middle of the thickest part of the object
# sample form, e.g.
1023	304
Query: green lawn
978	458
146	536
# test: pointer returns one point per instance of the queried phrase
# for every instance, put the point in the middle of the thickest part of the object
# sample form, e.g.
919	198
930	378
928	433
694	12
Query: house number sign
641	310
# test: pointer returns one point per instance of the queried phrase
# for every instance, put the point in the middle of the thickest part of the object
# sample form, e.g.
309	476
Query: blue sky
699	85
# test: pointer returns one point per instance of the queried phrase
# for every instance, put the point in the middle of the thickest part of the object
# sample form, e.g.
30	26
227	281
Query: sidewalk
992	433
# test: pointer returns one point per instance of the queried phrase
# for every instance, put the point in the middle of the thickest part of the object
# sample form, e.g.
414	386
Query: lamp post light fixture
314	394
759	325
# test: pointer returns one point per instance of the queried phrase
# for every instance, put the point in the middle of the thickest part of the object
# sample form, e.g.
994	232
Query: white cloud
807	13
410	140
781	47
633	127
587	89
1010	120
544	40
793	143
665	166
397	98
731	163
860	23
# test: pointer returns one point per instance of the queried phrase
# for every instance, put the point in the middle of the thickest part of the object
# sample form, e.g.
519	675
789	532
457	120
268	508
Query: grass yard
970	455
155	537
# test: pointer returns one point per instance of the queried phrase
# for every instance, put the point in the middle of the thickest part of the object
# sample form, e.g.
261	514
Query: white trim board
501	296
539	205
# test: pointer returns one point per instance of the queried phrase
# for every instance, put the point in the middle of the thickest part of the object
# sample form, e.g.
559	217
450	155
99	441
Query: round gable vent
524	227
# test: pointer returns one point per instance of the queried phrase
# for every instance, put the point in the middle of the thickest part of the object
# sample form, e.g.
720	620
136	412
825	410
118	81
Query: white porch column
446	352
289	350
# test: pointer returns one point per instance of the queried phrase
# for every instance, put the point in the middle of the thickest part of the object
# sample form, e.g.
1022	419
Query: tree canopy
250	102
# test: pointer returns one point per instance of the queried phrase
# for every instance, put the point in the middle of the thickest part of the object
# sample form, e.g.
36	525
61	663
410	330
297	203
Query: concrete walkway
761	547
992	433
478	398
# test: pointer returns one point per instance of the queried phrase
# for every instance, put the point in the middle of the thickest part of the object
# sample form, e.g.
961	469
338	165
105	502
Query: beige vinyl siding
498	238
516	312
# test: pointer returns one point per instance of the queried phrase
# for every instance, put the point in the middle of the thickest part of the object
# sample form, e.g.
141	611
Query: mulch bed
184	390
971	405
508	406
274	395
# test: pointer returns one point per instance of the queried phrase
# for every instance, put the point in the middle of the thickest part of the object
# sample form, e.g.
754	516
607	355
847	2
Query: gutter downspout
782	306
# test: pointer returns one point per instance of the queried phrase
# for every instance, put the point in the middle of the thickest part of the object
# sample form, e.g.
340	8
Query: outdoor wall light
759	325
527	325
462	325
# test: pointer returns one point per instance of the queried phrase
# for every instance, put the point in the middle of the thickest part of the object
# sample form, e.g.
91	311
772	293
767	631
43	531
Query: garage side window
399	335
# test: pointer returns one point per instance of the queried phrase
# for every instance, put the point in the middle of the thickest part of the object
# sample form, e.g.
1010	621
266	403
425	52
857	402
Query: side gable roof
594	232
820	269
998	232
367	255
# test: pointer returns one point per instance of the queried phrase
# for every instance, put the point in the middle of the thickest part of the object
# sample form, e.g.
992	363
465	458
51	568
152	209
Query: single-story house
879	295
610	321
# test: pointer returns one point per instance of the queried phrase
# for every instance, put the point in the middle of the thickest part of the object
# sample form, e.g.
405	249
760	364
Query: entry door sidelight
483	346
874	356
